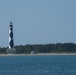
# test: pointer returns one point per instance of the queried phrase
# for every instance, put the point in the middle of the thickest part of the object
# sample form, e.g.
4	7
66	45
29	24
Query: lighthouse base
11	51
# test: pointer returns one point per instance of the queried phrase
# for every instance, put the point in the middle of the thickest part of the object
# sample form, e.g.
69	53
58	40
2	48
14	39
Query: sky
38	21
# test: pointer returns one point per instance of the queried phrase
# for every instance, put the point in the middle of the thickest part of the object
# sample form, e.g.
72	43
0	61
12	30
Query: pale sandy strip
38	54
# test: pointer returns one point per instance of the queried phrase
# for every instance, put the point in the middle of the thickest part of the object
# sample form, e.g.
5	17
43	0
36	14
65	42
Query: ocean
38	65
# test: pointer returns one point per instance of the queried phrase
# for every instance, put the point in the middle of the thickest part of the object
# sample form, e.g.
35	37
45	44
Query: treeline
44	48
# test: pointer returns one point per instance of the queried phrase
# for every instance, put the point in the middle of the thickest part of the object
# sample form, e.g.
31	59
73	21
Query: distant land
43	48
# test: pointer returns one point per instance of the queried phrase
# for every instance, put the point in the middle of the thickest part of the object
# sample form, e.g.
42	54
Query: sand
38	54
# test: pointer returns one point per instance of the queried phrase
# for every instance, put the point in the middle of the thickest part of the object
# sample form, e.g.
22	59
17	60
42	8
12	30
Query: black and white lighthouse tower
11	49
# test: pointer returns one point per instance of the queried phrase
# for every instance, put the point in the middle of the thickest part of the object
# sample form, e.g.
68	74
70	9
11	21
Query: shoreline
38	54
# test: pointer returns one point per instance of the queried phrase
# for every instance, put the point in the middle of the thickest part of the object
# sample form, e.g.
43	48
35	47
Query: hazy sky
38	21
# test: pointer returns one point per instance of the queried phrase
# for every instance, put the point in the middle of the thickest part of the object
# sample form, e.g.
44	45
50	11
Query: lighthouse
11	49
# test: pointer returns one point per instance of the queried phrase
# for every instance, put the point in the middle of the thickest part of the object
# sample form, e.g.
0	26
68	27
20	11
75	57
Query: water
38	65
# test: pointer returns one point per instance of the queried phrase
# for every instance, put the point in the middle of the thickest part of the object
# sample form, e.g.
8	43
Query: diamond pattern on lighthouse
11	35
11	49
11	43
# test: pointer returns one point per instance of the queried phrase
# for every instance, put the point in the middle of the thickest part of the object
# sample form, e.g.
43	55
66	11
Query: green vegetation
45	48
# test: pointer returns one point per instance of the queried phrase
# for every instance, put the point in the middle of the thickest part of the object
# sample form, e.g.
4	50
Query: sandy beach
38	54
